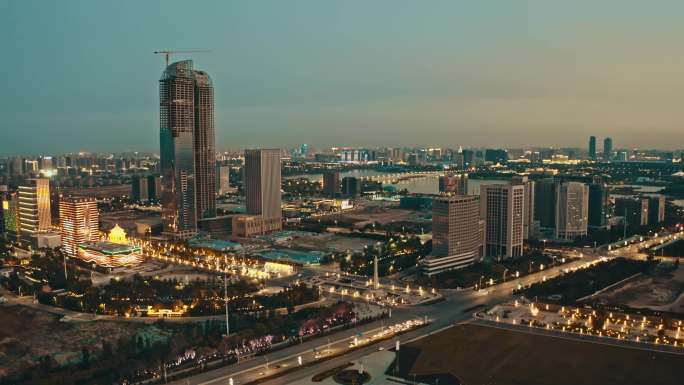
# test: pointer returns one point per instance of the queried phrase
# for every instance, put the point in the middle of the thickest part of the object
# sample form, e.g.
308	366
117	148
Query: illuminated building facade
34	207
4	205
117	235
79	223
572	210
10	211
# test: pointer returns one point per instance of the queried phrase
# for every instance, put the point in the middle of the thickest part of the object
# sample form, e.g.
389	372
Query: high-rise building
496	155
455	184
396	154
304	150
140	189
633	209
331	183
468	158
457	233
529	223
205	152
154	187
545	203
222	179
16	166
607	149
572	210
187	148
78	223
10	209
34	207
46	163
598	203
351	186
502	206
3	207
31	166
656	209
592	147
262	184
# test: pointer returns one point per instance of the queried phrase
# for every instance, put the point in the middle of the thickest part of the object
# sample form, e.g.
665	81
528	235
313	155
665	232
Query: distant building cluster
50	201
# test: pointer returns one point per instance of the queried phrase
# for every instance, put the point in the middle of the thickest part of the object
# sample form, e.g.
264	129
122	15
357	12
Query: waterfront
428	184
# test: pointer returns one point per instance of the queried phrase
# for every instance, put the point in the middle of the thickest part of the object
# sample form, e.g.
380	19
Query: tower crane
167	53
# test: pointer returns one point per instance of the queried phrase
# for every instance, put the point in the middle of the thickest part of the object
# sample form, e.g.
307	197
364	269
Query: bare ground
484	355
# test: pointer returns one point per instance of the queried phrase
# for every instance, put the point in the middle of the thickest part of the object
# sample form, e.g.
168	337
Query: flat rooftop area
483	355
110	248
215	244
302	257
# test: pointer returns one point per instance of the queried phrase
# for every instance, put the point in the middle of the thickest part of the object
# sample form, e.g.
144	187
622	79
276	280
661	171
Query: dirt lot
663	292
26	335
483	355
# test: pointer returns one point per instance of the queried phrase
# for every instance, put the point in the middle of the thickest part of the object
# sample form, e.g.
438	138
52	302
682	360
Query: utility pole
624	226
65	267
225	291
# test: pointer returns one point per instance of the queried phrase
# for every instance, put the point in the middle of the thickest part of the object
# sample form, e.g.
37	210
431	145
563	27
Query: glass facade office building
188	163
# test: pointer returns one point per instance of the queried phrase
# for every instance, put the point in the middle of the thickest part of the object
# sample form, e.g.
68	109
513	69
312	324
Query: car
381	349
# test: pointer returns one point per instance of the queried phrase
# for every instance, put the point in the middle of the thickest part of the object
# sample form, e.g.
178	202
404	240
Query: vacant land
657	291
675	249
27	335
570	287
483	355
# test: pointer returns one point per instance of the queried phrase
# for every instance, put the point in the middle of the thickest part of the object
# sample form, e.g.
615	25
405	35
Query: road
459	306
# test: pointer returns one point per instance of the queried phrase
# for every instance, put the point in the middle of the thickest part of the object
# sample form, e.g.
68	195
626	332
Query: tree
85	357
106	349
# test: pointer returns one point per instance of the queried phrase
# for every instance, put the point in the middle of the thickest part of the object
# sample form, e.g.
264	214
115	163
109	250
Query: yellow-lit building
117	235
34	207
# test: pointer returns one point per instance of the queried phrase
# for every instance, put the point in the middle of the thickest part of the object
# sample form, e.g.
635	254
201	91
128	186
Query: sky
81	75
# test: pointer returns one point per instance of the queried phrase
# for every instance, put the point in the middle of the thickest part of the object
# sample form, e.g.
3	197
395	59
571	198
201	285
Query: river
420	185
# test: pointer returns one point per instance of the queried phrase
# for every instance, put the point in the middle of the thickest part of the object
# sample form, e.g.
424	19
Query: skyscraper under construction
188	163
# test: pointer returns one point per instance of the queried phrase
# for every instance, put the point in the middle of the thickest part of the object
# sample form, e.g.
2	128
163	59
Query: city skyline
341	192
475	84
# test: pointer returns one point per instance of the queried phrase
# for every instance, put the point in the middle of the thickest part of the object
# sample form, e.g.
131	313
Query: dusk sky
80	75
